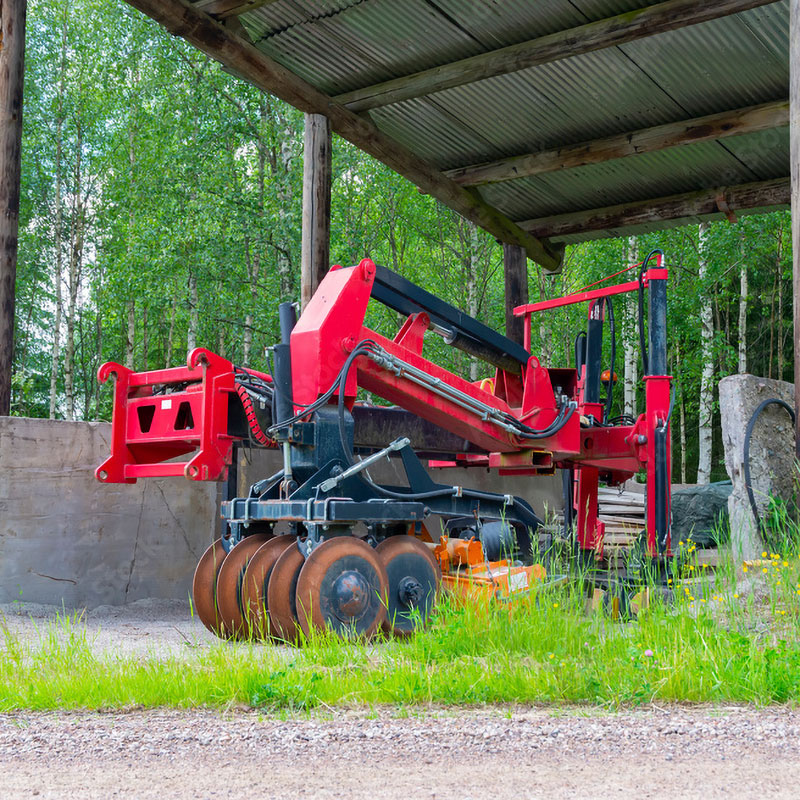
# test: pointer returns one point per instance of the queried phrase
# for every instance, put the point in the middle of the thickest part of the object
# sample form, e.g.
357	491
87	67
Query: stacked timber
623	513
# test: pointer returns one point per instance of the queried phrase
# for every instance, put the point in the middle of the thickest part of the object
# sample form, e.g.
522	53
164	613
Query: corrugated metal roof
729	63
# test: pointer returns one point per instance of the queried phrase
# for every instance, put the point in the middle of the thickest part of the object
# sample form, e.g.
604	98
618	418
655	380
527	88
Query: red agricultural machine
356	554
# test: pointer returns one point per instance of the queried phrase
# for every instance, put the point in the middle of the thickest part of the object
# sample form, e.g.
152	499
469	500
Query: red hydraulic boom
526	418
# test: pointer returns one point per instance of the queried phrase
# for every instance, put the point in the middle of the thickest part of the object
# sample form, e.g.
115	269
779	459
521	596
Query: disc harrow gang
229	585
266	588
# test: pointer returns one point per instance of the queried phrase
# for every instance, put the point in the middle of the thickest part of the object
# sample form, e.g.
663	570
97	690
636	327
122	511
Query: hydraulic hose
612	329
642	337
580	351
746	456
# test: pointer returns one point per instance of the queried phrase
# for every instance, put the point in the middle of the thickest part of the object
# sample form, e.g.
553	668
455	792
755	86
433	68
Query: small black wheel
414	580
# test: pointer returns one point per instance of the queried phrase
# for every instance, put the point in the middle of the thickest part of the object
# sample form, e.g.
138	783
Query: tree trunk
99	333
742	366
706	401
130	342
678	365
57	244
473	265
77	232
253	266
12	66
171	332
631	339
145	338
285	198
545	324
194	314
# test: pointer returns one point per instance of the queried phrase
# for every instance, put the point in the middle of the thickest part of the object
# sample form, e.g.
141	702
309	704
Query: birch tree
742	350
706	399
631	378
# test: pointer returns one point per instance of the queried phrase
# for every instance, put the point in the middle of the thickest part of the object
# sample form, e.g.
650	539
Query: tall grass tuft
718	641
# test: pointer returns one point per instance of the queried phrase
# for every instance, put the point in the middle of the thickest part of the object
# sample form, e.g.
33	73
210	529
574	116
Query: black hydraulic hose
612	329
564	415
746	460
580	351
362	348
642	337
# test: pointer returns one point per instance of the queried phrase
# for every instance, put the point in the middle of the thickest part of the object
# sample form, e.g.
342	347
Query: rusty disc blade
255	582
229	583
204	588
414	580
342	587
281	594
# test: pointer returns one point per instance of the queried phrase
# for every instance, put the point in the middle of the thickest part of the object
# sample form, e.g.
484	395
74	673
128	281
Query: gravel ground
144	627
652	753
436	753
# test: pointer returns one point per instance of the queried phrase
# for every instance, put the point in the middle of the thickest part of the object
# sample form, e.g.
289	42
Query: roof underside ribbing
727	64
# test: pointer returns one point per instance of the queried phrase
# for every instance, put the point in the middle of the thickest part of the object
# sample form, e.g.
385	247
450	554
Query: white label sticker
518	582
165	404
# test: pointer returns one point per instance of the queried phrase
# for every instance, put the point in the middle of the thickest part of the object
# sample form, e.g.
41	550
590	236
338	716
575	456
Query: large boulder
700	514
772	457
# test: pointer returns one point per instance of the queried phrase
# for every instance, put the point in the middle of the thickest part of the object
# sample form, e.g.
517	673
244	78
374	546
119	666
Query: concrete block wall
64	537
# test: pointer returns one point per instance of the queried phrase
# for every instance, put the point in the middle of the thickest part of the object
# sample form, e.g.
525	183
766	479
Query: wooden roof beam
221	9
245	60
674	134
621	29
706	202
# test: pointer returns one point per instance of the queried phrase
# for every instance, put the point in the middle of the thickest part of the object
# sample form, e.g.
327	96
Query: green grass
715	644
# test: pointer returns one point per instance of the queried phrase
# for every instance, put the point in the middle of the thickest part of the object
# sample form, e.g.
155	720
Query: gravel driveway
652	753
573	753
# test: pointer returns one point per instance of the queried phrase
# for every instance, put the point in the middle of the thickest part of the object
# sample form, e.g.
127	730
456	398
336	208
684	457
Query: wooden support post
794	127
515	269
12	69
315	256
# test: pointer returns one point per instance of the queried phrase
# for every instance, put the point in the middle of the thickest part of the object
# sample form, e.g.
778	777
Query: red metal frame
147	428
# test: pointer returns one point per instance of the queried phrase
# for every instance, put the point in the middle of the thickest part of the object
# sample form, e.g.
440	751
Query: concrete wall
64	537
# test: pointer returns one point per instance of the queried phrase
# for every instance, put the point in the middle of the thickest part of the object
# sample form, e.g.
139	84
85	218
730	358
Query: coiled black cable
746	455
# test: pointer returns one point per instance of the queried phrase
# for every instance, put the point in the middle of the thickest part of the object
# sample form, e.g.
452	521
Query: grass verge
716	643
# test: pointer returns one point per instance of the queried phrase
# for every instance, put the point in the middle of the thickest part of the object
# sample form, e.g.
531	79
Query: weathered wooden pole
12	69
794	127
515	269
315	251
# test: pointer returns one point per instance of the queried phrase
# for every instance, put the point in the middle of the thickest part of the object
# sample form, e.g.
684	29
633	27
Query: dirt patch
144	627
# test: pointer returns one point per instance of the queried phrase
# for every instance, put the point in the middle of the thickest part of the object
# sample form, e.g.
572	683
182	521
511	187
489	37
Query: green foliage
190	181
